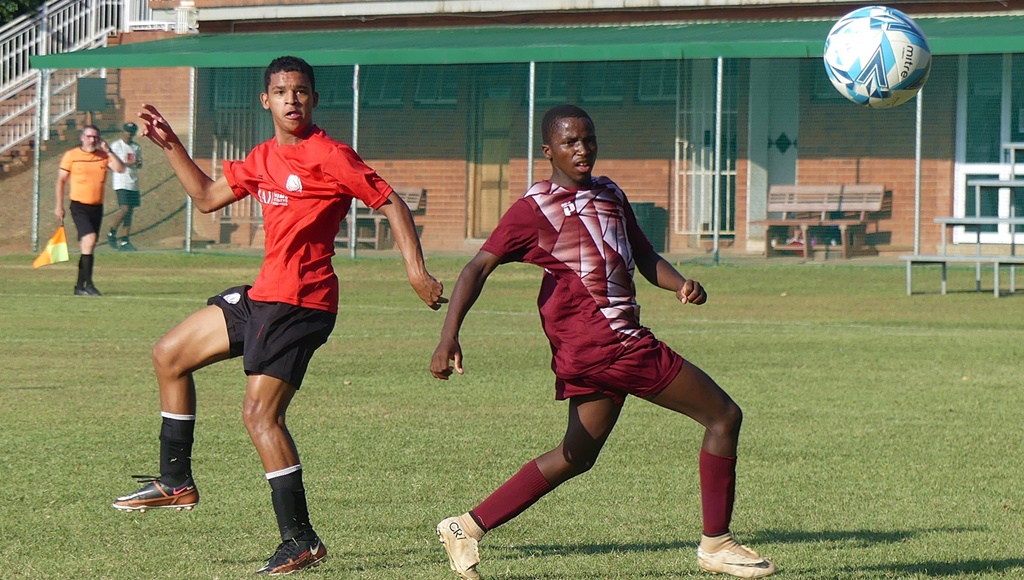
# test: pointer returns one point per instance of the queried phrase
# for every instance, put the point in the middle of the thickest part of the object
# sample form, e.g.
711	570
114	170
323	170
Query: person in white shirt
127	187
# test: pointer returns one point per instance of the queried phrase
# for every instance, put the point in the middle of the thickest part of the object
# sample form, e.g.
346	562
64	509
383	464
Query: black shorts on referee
273	338
87	217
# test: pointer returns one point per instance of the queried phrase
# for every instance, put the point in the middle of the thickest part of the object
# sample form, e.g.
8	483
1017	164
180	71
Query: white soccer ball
877	57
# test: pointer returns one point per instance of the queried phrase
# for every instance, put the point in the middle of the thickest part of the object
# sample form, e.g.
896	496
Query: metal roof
503	44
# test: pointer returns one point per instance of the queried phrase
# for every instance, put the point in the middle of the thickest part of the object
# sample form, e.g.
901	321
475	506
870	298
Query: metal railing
56	27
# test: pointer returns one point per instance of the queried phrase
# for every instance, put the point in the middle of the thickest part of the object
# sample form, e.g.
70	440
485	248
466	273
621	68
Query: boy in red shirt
305	182
584	234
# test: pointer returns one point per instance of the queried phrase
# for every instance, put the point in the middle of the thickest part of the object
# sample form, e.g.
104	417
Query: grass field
882	436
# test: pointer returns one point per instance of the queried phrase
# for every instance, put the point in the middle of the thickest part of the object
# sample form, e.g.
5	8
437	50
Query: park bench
372	229
809	209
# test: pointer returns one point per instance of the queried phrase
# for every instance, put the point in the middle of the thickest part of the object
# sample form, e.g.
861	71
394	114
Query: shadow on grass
942	569
1004	292
505	557
867	538
848	538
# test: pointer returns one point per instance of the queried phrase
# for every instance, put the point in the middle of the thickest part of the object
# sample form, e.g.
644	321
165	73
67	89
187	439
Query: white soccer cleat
732	558
463	555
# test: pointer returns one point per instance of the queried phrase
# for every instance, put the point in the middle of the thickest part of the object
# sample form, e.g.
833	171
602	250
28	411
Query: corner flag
56	250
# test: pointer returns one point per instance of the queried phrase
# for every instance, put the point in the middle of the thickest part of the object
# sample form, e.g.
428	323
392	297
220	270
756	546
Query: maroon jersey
585	241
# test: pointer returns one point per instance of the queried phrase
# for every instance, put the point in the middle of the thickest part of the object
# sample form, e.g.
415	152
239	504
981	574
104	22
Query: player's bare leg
693	393
199	340
591	420
263	412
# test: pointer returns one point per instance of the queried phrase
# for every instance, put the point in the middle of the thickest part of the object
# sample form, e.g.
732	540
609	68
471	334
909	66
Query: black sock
81	272
85	264
176	437
289	498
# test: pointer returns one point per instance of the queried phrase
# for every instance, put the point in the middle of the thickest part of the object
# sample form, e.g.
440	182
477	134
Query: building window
236	88
383	85
436	85
658	81
334	85
551	80
603	82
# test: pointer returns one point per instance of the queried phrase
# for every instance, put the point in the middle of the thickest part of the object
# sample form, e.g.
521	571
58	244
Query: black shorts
128	198
87	218
273	338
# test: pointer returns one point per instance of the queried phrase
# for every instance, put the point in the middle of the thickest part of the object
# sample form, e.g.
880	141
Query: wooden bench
372	227
997	261
803	207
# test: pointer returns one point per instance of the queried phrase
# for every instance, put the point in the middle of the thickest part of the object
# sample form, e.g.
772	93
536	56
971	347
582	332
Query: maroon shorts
645	369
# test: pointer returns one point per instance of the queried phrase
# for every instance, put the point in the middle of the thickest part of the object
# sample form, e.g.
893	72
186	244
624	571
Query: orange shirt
88	174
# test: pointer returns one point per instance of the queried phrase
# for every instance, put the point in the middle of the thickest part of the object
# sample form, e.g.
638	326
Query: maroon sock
717	492
512	498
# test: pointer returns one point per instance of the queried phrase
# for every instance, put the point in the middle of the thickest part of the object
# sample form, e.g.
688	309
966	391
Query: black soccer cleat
294	556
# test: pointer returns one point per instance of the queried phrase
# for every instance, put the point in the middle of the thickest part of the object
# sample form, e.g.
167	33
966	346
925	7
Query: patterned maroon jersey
585	241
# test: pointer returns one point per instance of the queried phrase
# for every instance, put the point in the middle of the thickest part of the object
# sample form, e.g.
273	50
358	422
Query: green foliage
878	441
11	9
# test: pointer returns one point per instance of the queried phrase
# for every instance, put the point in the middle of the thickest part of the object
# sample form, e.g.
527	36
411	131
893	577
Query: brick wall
164	88
429	147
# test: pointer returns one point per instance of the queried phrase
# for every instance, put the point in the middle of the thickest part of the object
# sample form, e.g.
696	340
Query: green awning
493	44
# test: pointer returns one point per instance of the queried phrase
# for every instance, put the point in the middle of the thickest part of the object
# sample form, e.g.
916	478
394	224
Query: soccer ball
877	57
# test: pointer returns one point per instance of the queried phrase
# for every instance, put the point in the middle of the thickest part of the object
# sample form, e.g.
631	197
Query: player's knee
580	462
164	355
258	418
729	421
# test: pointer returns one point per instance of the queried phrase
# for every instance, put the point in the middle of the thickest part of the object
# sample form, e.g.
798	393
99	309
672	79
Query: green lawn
882	432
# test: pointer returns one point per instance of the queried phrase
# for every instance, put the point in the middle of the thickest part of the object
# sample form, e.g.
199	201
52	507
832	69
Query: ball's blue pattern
877	57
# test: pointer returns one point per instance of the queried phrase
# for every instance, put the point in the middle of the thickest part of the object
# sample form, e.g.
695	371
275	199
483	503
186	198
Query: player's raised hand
156	127
440	364
692	293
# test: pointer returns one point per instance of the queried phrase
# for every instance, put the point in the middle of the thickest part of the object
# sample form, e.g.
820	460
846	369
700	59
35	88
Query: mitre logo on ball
877	57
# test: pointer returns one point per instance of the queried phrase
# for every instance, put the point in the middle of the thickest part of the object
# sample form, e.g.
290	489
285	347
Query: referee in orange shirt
85	167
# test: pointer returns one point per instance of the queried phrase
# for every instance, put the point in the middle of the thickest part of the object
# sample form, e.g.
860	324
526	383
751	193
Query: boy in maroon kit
584	234
305	182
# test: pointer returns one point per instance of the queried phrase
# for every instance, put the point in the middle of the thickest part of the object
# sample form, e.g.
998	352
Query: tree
11	9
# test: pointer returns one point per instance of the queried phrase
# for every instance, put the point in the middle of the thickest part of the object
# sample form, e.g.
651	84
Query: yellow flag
56	250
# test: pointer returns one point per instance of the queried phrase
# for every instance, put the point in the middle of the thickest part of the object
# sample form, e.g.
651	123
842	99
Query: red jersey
585	241
305	190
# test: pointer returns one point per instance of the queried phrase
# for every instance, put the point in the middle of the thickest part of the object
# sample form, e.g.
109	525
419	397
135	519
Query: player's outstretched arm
207	195
404	229
659	272
467	290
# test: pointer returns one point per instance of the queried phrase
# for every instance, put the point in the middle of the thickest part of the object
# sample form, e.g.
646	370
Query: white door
774	136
